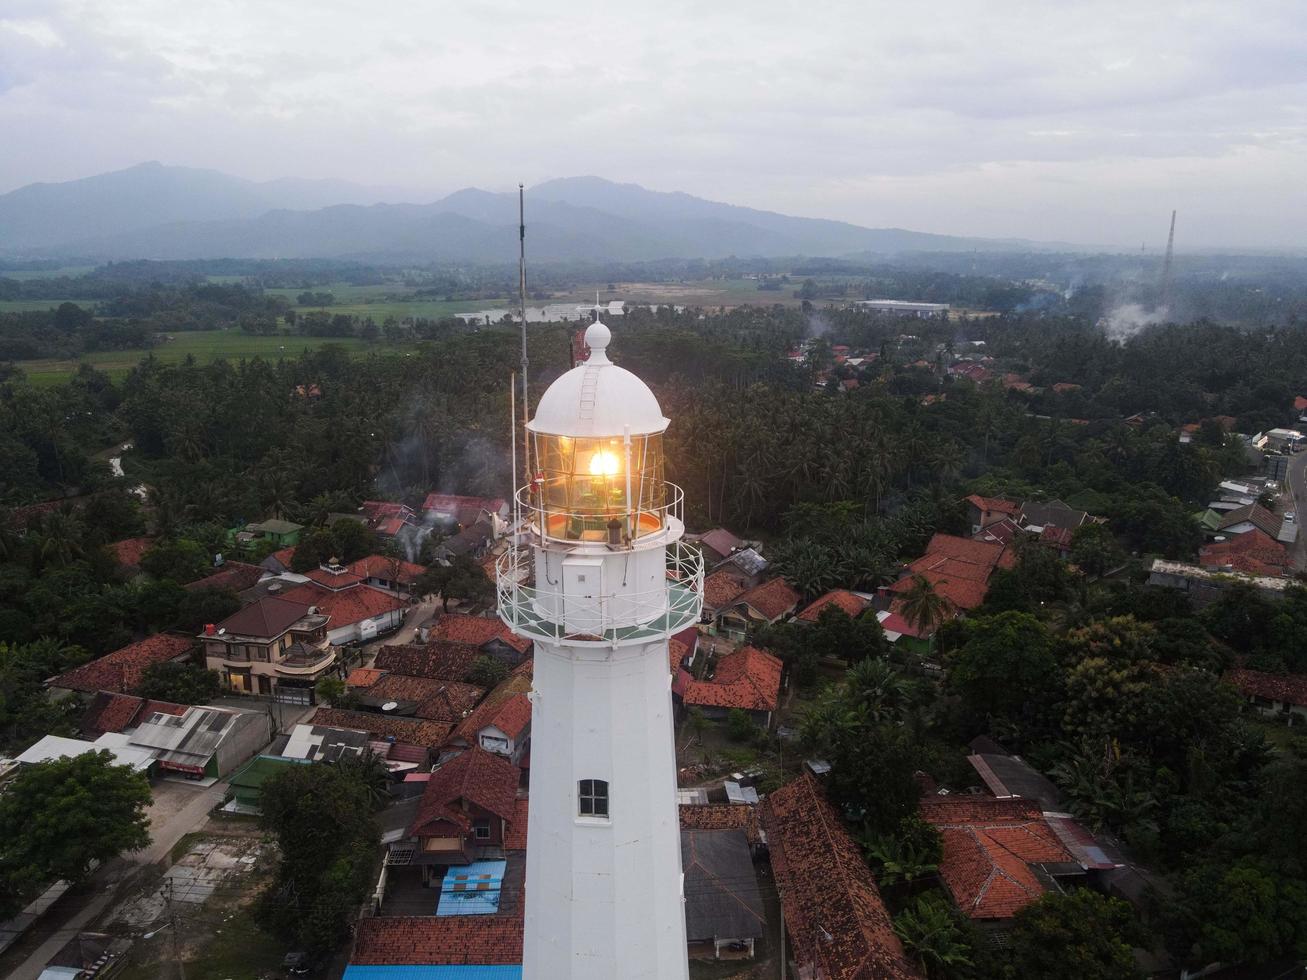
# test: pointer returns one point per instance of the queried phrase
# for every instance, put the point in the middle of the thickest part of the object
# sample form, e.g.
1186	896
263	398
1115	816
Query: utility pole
780	899
176	936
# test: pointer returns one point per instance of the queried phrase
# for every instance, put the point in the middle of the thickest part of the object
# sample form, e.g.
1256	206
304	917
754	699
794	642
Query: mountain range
152	211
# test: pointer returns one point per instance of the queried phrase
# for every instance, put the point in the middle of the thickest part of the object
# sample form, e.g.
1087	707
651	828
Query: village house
721	588
417	697
1035	516
748	679
1255	553
464	812
161	739
279	533
849	603
683	648
120	672
392	575
762	605
444	660
388	519
487	633
958	568
724	914
236	576
998	855
502	722
358	612
474	541
448	512
127	554
717	545
275	646
428	735
836	925
1274	695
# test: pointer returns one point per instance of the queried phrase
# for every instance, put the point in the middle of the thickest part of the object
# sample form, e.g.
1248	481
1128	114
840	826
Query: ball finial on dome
596	338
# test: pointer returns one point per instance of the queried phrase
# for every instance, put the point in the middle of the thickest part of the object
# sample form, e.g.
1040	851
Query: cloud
1079	122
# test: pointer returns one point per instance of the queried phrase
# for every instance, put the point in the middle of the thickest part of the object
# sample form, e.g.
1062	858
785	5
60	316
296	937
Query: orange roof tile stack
989	846
836	920
749	678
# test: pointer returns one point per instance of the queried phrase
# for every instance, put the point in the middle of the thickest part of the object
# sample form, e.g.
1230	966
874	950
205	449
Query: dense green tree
178	560
924	606
934	936
1236	914
181	683
487	671
321	819
57	818
871	775
1006	667
1076	934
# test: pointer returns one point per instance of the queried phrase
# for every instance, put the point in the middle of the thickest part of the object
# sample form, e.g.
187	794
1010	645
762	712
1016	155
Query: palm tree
931	935
61	537
877	689
924	607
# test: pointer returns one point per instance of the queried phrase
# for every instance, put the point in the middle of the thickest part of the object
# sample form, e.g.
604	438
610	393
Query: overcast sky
1083	122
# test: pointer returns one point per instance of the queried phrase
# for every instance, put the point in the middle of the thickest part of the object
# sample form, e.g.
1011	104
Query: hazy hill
153	211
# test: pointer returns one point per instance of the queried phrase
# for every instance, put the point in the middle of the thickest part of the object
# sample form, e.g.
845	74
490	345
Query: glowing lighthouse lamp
609	582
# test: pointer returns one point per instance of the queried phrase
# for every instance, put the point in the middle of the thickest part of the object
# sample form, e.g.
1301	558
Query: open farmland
204	346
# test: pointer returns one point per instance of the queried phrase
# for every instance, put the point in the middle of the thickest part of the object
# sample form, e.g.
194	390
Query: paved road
1297	483
169	830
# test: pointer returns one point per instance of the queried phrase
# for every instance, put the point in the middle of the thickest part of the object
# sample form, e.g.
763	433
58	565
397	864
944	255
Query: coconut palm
925	607
877	689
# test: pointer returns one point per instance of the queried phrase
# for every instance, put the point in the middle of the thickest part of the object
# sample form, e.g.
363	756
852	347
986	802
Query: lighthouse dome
598	398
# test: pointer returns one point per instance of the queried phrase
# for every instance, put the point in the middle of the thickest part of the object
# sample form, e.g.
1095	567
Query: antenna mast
521	299
1166	265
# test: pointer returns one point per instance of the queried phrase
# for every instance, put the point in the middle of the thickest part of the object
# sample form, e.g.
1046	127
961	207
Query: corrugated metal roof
353	972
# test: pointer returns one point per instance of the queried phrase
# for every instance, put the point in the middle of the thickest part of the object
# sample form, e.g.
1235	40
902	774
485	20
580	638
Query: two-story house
464	813
273	646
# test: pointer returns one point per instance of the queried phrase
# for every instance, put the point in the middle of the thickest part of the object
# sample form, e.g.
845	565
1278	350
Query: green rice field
205	346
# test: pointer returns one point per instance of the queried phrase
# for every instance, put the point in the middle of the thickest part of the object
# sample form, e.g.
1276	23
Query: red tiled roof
1299	403
515	835
444	660
852	605
965	549
1256	553
478	630
284	555
727	816
773	598
390	569
958	568
994	505
412	730
234	575
513	716
348	606
447	701
989	846
749	678
333	580
475	776
364	677
1288	688
676	652
839	927
1055	537
723	587
951	582
120	672
437	940
465	510
1062	387
110	712
486	712
129	551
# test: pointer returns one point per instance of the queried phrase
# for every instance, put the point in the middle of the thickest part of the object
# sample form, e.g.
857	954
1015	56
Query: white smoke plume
1126	319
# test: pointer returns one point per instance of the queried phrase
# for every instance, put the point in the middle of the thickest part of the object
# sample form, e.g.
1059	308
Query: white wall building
612	581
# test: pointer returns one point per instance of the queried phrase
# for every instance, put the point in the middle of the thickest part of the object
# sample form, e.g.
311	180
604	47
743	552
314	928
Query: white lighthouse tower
608	581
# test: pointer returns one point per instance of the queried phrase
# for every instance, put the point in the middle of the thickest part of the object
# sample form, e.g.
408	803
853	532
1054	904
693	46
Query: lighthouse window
594	798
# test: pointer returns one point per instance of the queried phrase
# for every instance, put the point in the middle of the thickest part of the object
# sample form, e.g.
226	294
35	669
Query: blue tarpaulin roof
472	889
353	972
